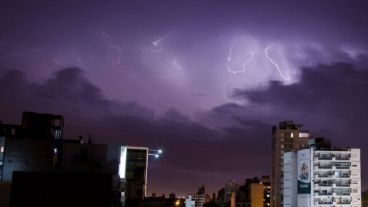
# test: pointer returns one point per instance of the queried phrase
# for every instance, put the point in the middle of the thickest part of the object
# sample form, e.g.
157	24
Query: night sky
204	80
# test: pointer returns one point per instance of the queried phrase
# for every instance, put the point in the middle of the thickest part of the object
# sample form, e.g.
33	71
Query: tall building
128	164
266	190
322	177
287	136
200	197
133	173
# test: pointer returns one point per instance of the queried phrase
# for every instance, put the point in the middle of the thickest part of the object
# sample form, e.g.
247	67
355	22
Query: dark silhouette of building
153	201
32	146
61	189
42	126
135	178
37	146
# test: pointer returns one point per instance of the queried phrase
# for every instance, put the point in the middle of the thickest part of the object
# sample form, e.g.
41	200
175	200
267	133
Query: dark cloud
209	155
126	78
330	100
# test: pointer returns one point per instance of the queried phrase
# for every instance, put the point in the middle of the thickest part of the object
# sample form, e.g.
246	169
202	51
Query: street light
155	153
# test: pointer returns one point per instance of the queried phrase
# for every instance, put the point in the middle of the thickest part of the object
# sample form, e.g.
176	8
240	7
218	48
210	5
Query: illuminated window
303	135
291	134
2	149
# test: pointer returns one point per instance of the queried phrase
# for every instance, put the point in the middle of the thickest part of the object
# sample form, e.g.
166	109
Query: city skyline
205	81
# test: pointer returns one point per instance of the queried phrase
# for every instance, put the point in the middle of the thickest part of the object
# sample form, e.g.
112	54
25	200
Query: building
322	177
266	191
37	146
153	201
230	187
287	136
133	173
200	197
32	146
254	193
61	189
127	164
189	202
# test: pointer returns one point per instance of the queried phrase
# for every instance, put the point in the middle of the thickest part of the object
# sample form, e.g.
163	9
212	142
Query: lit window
2	149
291	134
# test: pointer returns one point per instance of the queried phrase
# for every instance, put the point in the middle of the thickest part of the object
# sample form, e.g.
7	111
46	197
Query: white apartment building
322	178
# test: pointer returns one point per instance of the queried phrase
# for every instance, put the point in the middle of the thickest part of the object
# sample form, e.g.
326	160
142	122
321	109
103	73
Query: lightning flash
275	64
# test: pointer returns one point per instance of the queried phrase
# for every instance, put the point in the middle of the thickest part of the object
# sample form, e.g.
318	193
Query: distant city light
160	151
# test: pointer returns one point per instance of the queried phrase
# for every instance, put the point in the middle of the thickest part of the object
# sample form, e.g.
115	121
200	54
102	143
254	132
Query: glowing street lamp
155	153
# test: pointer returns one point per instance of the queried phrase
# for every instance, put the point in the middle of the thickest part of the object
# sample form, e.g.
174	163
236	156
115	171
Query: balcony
324	183
343	193
343	175
343	158
343	167
325	158
325	202
343	184
324	166
321	193
343	202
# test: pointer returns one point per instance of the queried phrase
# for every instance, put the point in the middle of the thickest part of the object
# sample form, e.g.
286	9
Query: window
303	135
2	149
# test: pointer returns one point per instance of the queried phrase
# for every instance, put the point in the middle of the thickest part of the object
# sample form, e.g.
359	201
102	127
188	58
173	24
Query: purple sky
204	80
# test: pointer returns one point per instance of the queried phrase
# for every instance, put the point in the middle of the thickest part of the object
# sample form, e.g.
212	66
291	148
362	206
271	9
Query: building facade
133	173
322	178
287	136
32	146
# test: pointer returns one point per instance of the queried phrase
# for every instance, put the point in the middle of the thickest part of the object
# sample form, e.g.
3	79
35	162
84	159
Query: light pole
155	152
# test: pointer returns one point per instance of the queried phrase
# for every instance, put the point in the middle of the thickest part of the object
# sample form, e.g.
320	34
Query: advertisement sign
304	178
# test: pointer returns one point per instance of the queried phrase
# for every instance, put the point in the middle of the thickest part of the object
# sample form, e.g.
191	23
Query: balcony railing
342	157
343	184
324	184
324	166
343	202
325	202
345	175
343	193
324	193
343	167
325	158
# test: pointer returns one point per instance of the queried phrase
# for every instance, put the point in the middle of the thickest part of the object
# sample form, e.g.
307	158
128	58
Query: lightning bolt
230	52
113	47
158	41
229	68
275	64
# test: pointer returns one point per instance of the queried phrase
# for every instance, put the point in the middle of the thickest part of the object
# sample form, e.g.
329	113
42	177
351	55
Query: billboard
304	177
